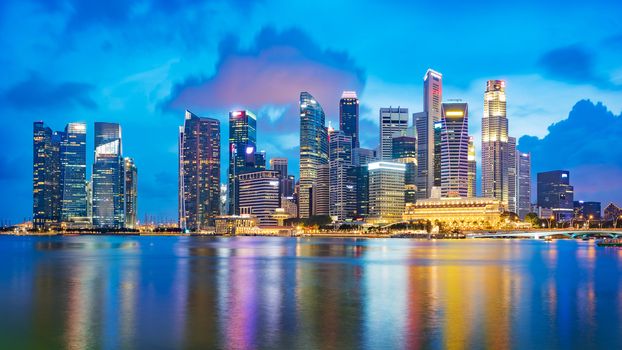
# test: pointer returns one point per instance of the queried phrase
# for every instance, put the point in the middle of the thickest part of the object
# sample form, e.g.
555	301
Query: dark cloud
588	144
36	93
574	64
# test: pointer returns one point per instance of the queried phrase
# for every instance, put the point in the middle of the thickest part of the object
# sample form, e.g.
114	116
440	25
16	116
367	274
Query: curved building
455	150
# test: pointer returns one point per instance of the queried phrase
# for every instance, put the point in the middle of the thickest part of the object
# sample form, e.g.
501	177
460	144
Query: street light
590	219
551	218
617	218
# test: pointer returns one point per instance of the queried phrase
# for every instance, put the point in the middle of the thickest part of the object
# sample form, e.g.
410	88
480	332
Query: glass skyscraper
349	116
405	152
472	192
342	196
392	121
108	178
73	172
46	206
131	192
524	184
243	154
199	172
424	123
454	150
313	154
556	193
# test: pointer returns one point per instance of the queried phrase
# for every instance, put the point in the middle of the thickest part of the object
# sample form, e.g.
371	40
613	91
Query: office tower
131	192
46	205
260	195
321	191
349	116
199	172
360	177
435	190
342	198
512	176
242	151
363	156
556	193
313	153
260	160
288	186
89	200
392	120
386	190
280	165
523	187
424	123
587	210
405	152
73	172
472	191
454	150
108	177
495	152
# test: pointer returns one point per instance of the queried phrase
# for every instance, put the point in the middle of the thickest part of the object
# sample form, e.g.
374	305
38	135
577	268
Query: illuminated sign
250	149
564	176
454	113
438	125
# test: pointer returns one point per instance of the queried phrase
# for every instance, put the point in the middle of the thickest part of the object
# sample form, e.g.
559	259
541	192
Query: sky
142	63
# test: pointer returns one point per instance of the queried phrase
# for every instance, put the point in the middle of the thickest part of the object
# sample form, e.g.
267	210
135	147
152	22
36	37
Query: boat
548	239
609	242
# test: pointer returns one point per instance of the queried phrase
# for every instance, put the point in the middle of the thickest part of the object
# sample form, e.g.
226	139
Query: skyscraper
108	177
455	150
280	165
131	192
556	193
392	120
73	172
512	176
495	155
435	191
524	184
242	152
46	177
472	192
424	122
342	198
359	175
260	195
313	153
405	152
386	190
199	172
349	116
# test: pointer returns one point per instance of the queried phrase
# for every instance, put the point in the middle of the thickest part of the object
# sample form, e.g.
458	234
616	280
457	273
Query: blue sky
142	63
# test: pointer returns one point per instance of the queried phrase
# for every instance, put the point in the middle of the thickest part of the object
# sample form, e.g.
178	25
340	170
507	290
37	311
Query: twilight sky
141	63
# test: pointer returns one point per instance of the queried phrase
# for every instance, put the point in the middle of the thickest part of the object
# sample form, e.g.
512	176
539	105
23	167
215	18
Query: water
287	293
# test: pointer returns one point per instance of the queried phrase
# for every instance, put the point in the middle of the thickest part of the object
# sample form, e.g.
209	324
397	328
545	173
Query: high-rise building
435	191
286	182
108	178
405	152
392	120
556	193
260	195
363	156
73	172
386	190
260	160
313	155
242	151
199	172
321	191
342	198
424	123
512	176
349	116
523	188
495	152
280	165
455	150
472	192
131	192
46	177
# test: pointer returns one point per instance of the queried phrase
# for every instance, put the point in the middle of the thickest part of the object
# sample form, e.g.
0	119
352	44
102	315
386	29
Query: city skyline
540	93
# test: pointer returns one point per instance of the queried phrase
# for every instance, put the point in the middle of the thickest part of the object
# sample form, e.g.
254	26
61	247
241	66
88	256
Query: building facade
199	172
587	210
523	188
512	176
459	213
342	198
454	150
386	191
260	195
349	116
472	158
495	155
242	152
556	193
108	177
131	192
392	121
405	152
46	205
73	172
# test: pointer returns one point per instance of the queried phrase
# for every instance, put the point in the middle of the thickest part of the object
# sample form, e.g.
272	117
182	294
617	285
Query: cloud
574	64
274	70
588	144
36	93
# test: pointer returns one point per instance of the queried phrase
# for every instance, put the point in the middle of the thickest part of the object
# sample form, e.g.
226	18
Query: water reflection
257	293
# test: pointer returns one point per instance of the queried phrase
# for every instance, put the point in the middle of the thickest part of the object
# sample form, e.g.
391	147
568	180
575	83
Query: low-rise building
460	213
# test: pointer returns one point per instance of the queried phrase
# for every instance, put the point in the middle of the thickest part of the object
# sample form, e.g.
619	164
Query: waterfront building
73	172
349	116
523	188
313	155
46	177
242	152
342	198
405	152
234	224
556	193
458	213
386	191
587	210
495	155
424	123
260	195
199	172
392	120
131	192
512	176
472	158
454	150
613	212
289	205
108	178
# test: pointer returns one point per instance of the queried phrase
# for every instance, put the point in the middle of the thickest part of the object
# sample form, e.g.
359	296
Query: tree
533	219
